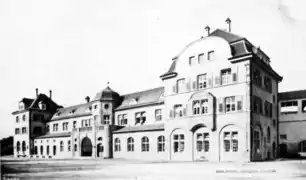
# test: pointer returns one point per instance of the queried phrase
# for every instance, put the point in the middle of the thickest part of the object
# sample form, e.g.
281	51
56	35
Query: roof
289	95
73	111
149	127
228	36
34	103
54	135
142	98
106	94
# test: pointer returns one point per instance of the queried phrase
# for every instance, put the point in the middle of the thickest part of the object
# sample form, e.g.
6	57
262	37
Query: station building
218	102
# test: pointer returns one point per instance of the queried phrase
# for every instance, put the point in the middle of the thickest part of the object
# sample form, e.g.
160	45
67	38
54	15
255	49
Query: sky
75	47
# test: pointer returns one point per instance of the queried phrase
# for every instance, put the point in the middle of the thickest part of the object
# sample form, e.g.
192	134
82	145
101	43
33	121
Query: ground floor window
54	150
41	150
130	144
145	144
230	141
202	142
302	146
178	143
23	146
256	141
161	144
35	150
18	146
69	146
48	150
117	145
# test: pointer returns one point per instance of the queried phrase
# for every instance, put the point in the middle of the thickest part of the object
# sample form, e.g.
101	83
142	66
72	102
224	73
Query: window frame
145	144
117	145
130	144
180	85
161	143
202	81
225	76
178	143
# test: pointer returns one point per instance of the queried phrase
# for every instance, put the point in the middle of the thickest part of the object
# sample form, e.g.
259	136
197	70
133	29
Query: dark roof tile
54	135
290	95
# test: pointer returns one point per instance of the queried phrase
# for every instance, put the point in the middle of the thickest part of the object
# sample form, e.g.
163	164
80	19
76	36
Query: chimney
36	92
50	94
207	28
87	98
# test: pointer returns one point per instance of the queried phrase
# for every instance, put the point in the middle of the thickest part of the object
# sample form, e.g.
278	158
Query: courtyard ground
144	170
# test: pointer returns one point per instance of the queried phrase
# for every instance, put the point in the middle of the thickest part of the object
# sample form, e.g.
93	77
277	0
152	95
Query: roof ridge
289	91
72	106
161	87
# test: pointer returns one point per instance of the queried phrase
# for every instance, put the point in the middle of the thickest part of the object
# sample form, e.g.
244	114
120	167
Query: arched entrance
86	147
100	150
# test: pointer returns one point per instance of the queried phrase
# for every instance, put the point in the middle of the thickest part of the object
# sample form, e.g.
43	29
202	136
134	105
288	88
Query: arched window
17	119
117	145
144	144
54	150
69	146
75	147
130	144
18	146
62	146
161	144
48	150
196	107
41	150
23	146
268	135
35	150
24	117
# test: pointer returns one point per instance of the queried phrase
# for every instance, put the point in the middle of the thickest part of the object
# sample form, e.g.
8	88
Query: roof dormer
133	101
42	105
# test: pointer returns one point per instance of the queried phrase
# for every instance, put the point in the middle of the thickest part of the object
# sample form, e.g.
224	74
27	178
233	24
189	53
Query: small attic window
72	111
21	106
132	102
42	105
58	113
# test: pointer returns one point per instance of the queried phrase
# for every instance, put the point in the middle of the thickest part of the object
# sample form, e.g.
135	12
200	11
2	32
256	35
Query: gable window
122	119
130	144
257	77
230	141
106	119
202	142
178	110
201	58
289	107
42	105
202	81
257	105
196	107
117	145
158	114
178	143
140	117
225	76
180	85
161	144
211	55
145	144
192	60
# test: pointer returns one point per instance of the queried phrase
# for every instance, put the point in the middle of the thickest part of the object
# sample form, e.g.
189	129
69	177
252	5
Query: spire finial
228	21
207	28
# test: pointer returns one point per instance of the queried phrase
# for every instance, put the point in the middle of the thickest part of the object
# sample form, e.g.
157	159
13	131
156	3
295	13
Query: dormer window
72	111
133	101
58	113
42	105
21	106
211	55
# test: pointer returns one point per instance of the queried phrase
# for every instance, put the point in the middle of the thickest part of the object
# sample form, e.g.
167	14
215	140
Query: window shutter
184	112
171	114
221	104
188	86
217	80
235	74
194	85
210	79
174	89
239	103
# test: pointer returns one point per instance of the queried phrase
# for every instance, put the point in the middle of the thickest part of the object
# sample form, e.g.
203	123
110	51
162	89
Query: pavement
145	170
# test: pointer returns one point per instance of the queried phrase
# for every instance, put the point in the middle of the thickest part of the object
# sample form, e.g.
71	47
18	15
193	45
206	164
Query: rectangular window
304	106
140	117
257	78
201	58
283	136
122	119
17	131
180	85
202	142
178	110
204	106
196	107
202	81
226	76
211	55
230	104
158	114
257	105
192	60
230	141
268	83
106	119
289	107
178	143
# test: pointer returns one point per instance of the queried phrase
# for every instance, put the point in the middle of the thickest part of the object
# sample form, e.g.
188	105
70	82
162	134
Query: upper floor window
17	119
74	124
37	130
225	76
192	60
180	85
283	136
61	146
211	55
178	110
196	107
202	81
268	83
268	109
158	114
122	119
42	106
38	117
257	77
24	130
257	105
17	131
65	126
55	127
106	106
289	107
230	104
201	58
268	135
304	106
24	117
140	117
106	119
